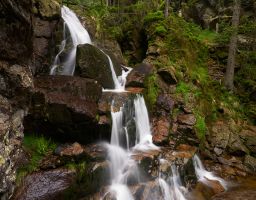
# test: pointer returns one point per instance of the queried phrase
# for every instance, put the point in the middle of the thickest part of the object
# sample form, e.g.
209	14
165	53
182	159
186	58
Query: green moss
151	91
161	30
200	127
37	147
153	17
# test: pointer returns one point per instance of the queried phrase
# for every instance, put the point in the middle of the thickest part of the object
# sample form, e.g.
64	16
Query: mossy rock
47	9
93	63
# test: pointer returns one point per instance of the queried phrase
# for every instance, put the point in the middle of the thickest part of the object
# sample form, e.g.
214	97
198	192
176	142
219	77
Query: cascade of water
79	35
119	81
56	62
122	165
143	132
172	188
202	174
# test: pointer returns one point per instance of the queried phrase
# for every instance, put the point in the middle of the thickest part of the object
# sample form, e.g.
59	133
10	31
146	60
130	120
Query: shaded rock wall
25	36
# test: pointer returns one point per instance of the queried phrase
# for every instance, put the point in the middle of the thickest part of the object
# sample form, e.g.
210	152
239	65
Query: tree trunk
166	10
229	76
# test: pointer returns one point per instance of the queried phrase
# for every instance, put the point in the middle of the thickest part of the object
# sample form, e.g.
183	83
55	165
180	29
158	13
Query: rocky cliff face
25	35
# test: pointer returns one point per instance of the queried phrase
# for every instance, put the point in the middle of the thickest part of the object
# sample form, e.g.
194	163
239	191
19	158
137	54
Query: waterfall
122	165
172	188
204	175
143	129
79	35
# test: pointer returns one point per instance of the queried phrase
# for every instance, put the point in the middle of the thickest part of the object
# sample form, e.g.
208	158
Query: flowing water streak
172	189
56	62
202	174
119	81
122	165
143	129
79	35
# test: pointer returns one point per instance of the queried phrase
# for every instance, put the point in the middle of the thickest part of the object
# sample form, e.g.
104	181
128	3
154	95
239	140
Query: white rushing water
119	81
203	175
79	35
172	188
122	165
65	65
143	129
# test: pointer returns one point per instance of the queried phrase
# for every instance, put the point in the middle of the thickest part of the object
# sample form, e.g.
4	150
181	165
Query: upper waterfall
79	35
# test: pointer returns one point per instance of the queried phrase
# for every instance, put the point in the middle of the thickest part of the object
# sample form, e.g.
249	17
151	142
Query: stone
65	107
168	75
164	101
219	135
248	194
45	185
46	9
235	145
74	149
11	154
250	162
208	189
92	63
138	74
111	46
16	30
44	28
187	119
161	127
248	135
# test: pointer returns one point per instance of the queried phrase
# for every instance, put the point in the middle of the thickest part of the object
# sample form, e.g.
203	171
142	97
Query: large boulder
65	107
45	185
93	63
137	76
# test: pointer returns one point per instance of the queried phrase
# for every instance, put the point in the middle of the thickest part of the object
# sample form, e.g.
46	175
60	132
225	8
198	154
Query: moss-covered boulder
93	63
47	9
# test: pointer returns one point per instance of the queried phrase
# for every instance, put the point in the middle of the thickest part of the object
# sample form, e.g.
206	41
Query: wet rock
236	146
248	135
110	45
74	149
45	185
46	9
107	99
43	44
161	127
168	75
219	135
250	162
165	102
137	76
16	30
18	81
65	107
96	152
234	162
207	189
248	194
187	119
93	63
11	154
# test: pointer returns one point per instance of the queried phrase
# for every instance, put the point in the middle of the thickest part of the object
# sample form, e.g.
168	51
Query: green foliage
225	33
200	75
160	30
183	88
151	91
200	127
153	17
37	147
